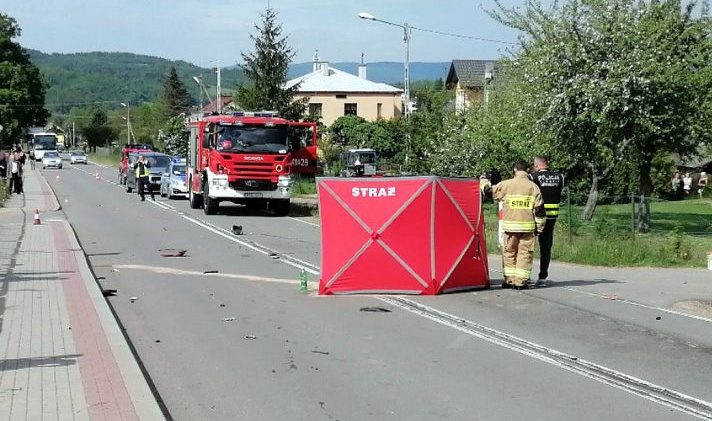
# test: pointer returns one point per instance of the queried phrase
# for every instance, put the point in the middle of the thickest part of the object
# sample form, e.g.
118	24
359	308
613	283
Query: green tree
22	90
266	69
175	137
615	79
175	95
98	132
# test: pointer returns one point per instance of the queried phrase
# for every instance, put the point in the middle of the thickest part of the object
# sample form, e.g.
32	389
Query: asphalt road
554	353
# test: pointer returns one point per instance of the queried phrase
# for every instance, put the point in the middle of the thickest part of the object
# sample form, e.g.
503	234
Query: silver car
77	157
173	183
51	159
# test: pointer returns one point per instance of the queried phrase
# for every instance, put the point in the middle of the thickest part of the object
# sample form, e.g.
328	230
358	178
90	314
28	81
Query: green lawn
111	159
681	235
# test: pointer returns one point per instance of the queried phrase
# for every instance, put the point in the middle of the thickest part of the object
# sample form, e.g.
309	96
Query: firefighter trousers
517	256
546	242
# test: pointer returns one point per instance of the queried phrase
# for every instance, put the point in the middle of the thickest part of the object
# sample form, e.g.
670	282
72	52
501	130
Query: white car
77	157
51	159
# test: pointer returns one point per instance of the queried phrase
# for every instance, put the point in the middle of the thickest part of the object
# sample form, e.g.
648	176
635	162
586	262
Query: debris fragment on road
316	351
237	229
115	270
250	337
208	272
375	309
133	299
229	319
108	292
172	252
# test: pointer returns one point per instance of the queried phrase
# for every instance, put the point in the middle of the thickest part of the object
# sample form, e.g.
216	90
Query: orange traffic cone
37	217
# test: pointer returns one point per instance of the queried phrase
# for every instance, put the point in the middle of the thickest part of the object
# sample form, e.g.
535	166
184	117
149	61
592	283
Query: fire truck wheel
280	207
196	201
210	206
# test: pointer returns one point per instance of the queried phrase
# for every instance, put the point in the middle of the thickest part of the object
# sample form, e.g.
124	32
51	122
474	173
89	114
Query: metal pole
568	205
406	39
632	214
128	123
74	141
219	98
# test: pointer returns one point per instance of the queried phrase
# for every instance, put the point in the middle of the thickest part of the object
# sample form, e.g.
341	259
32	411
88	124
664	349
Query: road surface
560	353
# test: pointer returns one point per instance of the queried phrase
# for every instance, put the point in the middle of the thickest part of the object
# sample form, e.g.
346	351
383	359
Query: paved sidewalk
62	354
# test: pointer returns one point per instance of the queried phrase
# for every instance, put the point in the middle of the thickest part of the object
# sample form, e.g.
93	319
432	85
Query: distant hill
383	71
81	78
117	77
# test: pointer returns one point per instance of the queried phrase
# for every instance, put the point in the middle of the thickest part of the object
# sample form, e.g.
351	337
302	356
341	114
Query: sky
203	31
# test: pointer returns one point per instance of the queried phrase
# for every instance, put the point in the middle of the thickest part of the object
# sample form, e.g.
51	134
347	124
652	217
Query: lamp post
199	81
406	71
127	105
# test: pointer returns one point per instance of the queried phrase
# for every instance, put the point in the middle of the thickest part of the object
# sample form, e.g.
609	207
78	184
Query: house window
379	110
350	109
315	109
341	96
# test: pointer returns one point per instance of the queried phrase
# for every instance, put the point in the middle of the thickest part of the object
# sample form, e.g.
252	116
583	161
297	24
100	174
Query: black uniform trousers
546	242
143	185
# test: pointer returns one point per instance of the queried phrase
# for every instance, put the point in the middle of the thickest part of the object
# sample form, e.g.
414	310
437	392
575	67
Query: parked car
77	157
173	182
51	159
158	164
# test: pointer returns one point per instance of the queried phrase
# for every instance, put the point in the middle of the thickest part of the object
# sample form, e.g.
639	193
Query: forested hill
117	77
81	78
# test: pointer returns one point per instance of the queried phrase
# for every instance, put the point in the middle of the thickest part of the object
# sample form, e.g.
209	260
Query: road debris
172	252
274	255
133	299
229	319
316	351
250	337
658	318
208	272
158	341
115	270
237	229
108	292
610	297
375	309
222	305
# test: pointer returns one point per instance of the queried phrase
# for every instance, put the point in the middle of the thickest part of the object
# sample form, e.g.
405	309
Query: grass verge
111	159
4	194
681	236
304	186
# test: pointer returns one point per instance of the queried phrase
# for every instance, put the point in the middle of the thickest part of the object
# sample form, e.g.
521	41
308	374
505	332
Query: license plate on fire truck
253	194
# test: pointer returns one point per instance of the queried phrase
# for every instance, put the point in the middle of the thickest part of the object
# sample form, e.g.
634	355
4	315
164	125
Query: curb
46	188
142	397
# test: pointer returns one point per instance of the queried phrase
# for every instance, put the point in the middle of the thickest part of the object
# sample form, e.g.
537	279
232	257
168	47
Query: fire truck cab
247	158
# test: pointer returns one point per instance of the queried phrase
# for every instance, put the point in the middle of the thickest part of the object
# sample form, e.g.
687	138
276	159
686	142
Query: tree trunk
592	200
646	189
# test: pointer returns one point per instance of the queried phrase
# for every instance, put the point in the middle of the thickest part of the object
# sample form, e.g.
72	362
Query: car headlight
285	181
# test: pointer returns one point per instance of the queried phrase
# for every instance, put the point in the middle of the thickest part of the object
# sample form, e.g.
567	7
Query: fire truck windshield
252	138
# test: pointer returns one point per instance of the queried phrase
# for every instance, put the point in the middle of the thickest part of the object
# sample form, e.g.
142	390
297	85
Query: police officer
142	173
522	216
550	183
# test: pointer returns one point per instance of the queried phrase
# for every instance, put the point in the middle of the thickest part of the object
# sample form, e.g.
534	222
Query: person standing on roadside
142	173
32	158
550	183
16	174
522	216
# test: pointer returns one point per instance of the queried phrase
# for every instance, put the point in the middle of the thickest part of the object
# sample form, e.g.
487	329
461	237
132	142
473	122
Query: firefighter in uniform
550	184
142	173
522	216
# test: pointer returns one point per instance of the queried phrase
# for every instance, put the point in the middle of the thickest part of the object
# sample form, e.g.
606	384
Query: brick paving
60	358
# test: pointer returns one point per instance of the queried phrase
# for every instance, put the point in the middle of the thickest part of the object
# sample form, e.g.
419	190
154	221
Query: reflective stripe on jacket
138	170
550	183
523	209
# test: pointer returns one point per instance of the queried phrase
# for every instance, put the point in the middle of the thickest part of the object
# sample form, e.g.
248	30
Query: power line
61	104
450	34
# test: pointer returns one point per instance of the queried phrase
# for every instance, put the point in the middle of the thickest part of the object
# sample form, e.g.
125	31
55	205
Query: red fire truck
248	158
125	151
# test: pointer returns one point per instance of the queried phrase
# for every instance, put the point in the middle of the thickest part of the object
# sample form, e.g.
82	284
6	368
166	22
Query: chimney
325	68
316	64
362	69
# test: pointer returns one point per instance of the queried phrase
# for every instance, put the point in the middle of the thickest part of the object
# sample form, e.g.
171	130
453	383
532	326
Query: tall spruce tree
175	95
266	69
22	90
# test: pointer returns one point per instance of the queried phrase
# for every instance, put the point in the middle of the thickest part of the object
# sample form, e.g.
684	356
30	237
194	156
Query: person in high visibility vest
522	216
142	173
551	183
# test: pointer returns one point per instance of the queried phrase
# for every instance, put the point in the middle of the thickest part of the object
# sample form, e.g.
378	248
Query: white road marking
173	271
650	391
304	222
637	304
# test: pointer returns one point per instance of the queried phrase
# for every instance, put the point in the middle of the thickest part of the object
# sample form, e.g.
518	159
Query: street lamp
406	71
199	81
127	105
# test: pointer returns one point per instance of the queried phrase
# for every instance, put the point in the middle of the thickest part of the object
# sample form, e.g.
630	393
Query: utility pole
74	141
219	96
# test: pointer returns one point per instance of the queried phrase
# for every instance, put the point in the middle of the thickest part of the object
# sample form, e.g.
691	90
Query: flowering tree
609	79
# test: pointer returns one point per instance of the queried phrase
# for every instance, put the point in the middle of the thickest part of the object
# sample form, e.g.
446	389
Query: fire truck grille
254	167
251	185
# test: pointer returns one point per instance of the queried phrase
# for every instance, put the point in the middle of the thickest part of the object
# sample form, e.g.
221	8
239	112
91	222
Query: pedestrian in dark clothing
16	175
550	183
142	172
3	166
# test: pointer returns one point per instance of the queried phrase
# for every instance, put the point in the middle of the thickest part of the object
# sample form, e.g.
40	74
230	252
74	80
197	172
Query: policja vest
142	169
523	209
550	183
